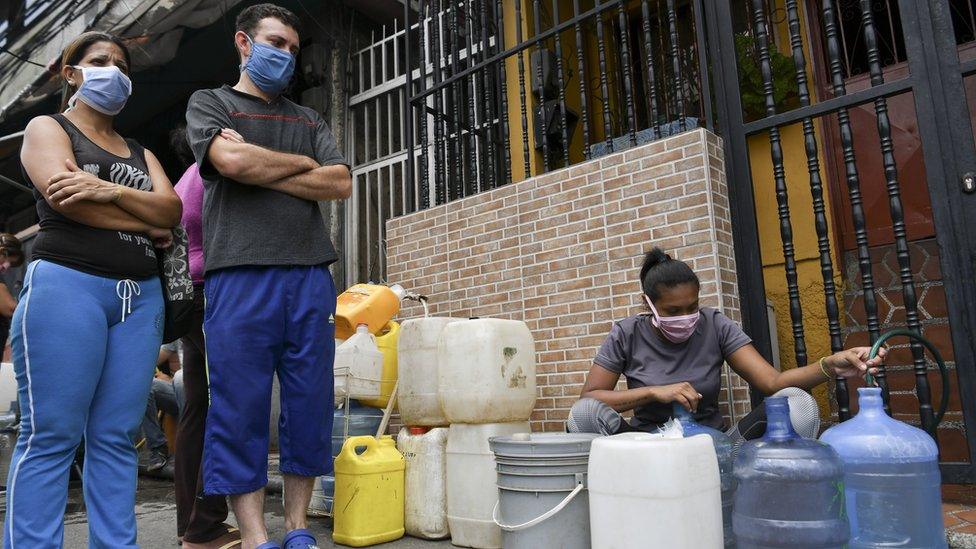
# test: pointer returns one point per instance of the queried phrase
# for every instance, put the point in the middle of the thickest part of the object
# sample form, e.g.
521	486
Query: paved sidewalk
960	523
156	516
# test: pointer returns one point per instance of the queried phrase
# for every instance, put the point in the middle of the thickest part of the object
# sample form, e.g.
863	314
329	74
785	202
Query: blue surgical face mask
269	68
105	89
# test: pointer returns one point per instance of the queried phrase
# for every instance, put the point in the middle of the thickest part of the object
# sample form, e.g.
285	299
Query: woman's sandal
230	540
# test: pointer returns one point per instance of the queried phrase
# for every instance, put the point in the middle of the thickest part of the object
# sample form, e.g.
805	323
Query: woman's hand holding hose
854	362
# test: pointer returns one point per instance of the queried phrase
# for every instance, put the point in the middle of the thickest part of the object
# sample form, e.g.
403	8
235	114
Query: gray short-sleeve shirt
633	348
247	224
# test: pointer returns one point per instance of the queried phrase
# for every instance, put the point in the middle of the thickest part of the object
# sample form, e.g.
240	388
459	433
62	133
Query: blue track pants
262	321
81	372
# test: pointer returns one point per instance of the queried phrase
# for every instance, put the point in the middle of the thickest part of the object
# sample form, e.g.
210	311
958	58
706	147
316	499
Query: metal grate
470	130
857	37
377	152
606	76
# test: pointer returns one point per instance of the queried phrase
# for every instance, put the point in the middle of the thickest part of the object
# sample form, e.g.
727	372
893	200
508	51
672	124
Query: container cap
418	430
399	290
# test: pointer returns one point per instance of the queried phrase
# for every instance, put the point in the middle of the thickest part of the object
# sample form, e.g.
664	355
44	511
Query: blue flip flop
301	538
269	545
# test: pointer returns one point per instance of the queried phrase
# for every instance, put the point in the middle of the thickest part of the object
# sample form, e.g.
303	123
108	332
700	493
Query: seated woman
675	354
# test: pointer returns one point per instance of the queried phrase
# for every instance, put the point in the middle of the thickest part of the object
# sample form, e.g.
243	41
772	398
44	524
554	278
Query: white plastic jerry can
425	495
358	366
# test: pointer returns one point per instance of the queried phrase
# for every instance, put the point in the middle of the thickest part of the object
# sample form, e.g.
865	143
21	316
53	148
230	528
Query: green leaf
785	89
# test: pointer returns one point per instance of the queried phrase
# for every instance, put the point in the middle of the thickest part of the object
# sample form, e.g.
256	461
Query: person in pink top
200	521
190	190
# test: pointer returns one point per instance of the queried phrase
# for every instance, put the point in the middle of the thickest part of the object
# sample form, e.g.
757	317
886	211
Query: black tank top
101	252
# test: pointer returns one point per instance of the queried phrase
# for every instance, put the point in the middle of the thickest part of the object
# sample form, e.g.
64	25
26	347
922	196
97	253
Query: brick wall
562	252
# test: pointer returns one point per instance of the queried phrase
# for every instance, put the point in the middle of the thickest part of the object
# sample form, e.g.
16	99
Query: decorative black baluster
543	119
816	184
423	199
604	87
701	58
897	219
666	91
475	168
488	129
522	103
853	180
848	70
441	171
580	60
628	77
679	81
651	80
458	183
561	82
972	17
615	77
499	47
779	174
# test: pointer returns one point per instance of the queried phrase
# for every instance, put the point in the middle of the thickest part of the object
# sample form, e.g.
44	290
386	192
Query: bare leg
249	510
298	493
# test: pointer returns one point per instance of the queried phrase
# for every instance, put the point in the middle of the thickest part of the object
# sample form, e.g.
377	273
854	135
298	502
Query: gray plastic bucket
542	498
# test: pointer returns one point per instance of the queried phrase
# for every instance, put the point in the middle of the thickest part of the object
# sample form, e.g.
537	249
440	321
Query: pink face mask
677	329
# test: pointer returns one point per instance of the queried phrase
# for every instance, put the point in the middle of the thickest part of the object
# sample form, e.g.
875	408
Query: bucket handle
545	516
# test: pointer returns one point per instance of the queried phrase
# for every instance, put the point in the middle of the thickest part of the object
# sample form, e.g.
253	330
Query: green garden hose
938	360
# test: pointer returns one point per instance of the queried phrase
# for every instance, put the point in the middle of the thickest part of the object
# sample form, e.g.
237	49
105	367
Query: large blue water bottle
891	478
791	489
723	449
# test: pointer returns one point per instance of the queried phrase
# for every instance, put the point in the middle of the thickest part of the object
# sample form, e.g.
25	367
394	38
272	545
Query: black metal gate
924	36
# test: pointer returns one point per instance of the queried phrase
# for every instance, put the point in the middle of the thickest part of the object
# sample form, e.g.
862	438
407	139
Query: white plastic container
425	495
471	483
486	371
417	356
8	389
358	367
647	490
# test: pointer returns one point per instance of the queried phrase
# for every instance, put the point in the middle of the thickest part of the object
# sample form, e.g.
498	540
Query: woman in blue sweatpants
88	326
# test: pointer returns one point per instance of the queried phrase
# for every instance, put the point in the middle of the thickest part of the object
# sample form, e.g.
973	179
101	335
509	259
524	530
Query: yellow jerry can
370	304
386	341
369	488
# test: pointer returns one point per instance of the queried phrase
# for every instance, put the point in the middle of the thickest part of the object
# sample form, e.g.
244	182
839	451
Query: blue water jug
891	478
362	421
723	449
791	489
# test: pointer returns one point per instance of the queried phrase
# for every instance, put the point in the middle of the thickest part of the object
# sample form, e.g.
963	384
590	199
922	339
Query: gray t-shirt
646	359
247	224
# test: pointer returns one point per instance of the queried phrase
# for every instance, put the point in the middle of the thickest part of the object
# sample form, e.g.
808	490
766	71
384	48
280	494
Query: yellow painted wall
514	97
571	76
810	279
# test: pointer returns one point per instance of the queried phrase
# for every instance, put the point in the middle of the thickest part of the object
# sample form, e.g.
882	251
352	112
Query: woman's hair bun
653	258
660	269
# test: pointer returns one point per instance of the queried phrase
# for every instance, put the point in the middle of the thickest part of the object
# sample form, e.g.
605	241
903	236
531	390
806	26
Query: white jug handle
544	517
